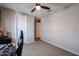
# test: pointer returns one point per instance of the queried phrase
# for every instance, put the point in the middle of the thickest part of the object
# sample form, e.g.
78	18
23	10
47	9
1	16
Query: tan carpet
40	48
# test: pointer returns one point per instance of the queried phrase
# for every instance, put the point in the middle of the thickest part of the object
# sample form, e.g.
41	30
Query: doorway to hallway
37	28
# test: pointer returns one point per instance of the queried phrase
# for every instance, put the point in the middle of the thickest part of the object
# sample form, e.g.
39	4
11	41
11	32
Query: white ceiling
27	7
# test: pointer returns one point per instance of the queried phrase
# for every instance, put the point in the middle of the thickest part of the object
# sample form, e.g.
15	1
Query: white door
22	25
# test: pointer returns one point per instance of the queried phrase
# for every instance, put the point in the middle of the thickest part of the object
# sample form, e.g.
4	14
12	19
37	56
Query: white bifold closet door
21	24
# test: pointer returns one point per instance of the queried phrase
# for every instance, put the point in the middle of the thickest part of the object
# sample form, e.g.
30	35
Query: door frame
35	20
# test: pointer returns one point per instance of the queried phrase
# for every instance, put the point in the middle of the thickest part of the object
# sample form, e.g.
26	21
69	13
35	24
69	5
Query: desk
4	40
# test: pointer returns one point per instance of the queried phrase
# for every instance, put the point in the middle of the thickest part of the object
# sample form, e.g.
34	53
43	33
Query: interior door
22	25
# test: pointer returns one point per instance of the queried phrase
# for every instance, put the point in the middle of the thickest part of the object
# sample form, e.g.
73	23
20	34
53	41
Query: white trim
29	42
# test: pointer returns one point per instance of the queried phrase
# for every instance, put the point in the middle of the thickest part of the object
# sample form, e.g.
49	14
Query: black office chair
20	45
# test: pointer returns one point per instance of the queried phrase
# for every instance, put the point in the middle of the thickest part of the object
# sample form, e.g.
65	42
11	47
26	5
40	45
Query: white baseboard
29	42
61	47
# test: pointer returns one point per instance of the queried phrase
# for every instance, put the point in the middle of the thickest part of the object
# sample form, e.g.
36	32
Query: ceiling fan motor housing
37	4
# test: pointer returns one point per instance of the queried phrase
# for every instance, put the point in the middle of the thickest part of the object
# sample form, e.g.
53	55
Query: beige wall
62	29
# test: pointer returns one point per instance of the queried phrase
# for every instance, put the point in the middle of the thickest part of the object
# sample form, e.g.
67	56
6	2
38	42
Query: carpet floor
41	48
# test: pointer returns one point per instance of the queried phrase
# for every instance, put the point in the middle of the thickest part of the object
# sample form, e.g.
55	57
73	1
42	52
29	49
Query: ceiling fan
38	6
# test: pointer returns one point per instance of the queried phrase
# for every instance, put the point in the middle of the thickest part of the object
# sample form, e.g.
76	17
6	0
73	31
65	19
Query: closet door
8	21
0	17
22	25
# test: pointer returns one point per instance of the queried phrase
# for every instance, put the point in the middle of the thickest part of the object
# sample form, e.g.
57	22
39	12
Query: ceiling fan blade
33	10
44	7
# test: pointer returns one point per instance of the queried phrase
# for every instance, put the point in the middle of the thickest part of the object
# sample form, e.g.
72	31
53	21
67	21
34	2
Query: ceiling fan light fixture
38	7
